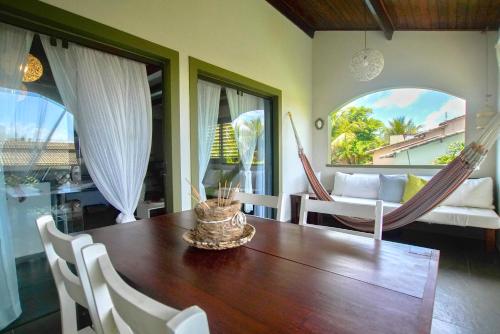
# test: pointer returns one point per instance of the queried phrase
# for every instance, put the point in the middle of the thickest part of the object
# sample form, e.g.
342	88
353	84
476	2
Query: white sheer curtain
110	99
497	47
10	306
64	69
247	115
260	179
15	44
14	47
208	113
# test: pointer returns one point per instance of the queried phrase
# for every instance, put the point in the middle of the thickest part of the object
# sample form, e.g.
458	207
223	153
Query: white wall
453	62
253	39
250	38
497	46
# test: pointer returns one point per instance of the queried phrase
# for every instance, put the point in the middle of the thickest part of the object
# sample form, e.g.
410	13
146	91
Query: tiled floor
467	296
50	324
37	291
468	290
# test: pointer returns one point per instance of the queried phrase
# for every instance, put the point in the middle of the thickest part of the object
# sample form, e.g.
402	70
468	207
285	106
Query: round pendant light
33	69
367	64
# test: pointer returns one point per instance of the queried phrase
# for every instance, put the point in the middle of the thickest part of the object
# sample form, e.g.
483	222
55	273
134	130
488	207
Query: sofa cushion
356	200
463	216
392	187
413	185
339	183
446	215
476	193
362	186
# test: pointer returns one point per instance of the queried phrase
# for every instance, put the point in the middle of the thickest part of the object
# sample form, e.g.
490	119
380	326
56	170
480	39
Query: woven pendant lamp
367	63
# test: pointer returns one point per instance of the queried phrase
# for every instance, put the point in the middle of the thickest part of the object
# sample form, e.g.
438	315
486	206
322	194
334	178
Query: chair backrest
344	209
122	309
62	249
276	202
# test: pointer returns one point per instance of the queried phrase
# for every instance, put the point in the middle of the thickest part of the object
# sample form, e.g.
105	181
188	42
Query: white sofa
470	205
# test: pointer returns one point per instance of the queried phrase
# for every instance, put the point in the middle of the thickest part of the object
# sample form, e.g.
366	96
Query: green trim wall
197	69
53	21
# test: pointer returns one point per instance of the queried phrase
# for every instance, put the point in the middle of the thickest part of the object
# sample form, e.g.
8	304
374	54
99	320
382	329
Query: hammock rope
443	184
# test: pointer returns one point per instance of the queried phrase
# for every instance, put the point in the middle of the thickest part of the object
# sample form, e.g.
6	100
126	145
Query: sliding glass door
43	165
235	133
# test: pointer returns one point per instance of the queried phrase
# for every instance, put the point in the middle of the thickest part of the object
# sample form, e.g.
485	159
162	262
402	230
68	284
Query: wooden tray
248	233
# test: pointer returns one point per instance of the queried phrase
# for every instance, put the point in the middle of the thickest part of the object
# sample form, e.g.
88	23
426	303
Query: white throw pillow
362	186
309	189
339	183
475	193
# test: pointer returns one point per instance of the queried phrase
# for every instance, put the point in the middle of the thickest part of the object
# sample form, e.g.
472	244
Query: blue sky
426	107
32	116
31	111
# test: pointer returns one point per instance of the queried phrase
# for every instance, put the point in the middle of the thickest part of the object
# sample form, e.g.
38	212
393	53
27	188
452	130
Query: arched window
403	126
36	137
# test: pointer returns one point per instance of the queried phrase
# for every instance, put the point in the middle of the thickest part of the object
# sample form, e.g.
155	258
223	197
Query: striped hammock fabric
430	196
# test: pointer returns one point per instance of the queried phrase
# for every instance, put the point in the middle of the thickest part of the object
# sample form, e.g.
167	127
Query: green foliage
401	126
224	146
453	151
354	133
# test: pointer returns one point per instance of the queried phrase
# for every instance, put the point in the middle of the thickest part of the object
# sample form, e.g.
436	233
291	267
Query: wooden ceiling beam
381	16
293	14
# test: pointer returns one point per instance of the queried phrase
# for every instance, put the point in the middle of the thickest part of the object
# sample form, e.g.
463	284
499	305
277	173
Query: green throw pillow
412	186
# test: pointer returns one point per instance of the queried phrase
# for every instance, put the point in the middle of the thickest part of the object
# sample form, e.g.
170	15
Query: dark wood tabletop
289	278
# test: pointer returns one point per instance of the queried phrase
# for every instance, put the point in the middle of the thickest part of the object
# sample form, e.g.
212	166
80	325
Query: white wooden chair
122	309
62	249
276	202
343	209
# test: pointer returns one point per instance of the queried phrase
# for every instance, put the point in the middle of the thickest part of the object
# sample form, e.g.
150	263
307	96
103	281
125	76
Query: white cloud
33	132
454	107
401	98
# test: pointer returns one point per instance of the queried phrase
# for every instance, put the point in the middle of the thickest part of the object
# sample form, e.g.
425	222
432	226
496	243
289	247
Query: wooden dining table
287	279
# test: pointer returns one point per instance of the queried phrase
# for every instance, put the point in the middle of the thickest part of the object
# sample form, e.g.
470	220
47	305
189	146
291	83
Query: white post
379	217
303	209
280	212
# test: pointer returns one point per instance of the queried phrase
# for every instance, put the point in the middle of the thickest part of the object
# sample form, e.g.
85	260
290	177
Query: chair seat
86	330
153	205
445	215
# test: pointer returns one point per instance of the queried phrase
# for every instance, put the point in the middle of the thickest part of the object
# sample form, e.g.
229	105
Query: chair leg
490	240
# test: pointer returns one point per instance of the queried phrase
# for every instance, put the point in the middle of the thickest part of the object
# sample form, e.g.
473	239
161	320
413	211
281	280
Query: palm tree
401	126
353	133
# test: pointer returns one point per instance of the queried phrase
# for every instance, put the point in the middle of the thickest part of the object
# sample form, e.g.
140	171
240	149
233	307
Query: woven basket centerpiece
219	223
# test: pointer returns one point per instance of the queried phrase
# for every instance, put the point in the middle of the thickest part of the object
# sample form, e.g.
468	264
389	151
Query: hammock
430	196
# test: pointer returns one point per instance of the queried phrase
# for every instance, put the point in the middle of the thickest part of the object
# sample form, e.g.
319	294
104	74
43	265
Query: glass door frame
199	69
46	19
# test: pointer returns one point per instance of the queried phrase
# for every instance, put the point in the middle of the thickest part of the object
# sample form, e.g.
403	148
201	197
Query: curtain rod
64	42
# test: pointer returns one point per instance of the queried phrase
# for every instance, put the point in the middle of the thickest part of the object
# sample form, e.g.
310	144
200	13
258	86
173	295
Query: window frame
399	166
220	159
199	69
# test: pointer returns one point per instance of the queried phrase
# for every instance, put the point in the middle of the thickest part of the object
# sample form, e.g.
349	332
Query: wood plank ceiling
318	15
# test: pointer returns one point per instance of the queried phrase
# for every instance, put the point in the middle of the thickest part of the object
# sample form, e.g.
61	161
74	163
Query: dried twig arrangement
225	196
196	195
